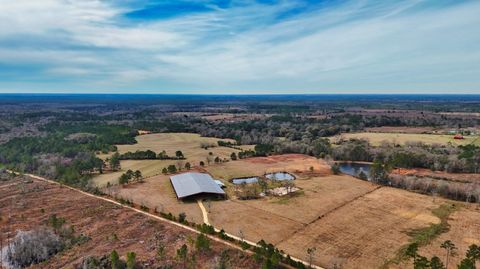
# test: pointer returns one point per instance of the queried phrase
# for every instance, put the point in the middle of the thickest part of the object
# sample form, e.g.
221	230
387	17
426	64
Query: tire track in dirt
305	226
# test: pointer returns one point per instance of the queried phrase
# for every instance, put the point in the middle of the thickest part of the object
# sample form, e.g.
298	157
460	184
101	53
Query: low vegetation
424	236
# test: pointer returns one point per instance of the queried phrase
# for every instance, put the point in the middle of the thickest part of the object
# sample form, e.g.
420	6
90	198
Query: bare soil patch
24	207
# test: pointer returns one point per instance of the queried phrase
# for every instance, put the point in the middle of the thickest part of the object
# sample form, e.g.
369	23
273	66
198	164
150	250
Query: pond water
354	169
280	176
246	180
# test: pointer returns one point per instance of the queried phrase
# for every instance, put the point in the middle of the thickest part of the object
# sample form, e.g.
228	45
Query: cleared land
26	206
402	129
189	144
376	139
293	163
157	193
351	222
366	231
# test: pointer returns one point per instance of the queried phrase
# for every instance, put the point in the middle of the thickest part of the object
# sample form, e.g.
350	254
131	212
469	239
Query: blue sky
240	46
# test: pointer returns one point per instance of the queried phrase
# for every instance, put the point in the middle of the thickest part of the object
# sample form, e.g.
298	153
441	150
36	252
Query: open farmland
189	144
293	163
376	139
157	194
366	232
25	206
464	230
350	222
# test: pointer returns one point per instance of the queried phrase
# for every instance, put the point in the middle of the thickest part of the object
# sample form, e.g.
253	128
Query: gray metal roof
188	184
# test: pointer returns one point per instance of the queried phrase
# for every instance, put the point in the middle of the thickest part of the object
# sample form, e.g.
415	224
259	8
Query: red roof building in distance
458	136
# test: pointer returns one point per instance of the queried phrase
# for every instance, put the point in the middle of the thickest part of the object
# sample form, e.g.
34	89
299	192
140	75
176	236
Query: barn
195	185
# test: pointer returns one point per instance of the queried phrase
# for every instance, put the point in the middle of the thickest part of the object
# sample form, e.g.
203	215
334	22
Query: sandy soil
26	206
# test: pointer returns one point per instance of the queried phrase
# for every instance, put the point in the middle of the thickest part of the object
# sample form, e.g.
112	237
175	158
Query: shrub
31	247
202	243
182	217
131	262
335	169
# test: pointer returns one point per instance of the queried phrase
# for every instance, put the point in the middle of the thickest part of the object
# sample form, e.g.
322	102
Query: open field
464	231
293	163
401	138
365	232
157	192
402	129
349	221
189	144
25	206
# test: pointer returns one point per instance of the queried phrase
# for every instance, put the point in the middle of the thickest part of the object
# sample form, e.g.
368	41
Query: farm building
191	185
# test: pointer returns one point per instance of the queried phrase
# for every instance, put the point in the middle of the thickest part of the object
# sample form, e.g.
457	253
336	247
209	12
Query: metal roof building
192	184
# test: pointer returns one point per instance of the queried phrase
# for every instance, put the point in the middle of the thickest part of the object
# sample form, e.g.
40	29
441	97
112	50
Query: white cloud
355	46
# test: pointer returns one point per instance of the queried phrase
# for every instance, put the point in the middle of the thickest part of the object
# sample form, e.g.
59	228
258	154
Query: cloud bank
244	46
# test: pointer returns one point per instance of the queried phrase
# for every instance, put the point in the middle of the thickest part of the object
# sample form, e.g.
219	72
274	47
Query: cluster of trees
112	261
172	168
200	245
227	144
130	176
67	152
448	158
35	246
421	262
271	257
461	191
150	155
31	247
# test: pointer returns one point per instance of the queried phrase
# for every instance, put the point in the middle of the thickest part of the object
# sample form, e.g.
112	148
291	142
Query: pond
246	180
280	176
354	169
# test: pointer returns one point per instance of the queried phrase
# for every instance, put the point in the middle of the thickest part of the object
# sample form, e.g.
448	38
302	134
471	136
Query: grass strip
424	236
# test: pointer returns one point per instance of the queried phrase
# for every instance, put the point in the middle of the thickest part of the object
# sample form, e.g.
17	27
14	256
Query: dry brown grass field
401	129
157	193
293	163
189	144
464	231
350	222
376	139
